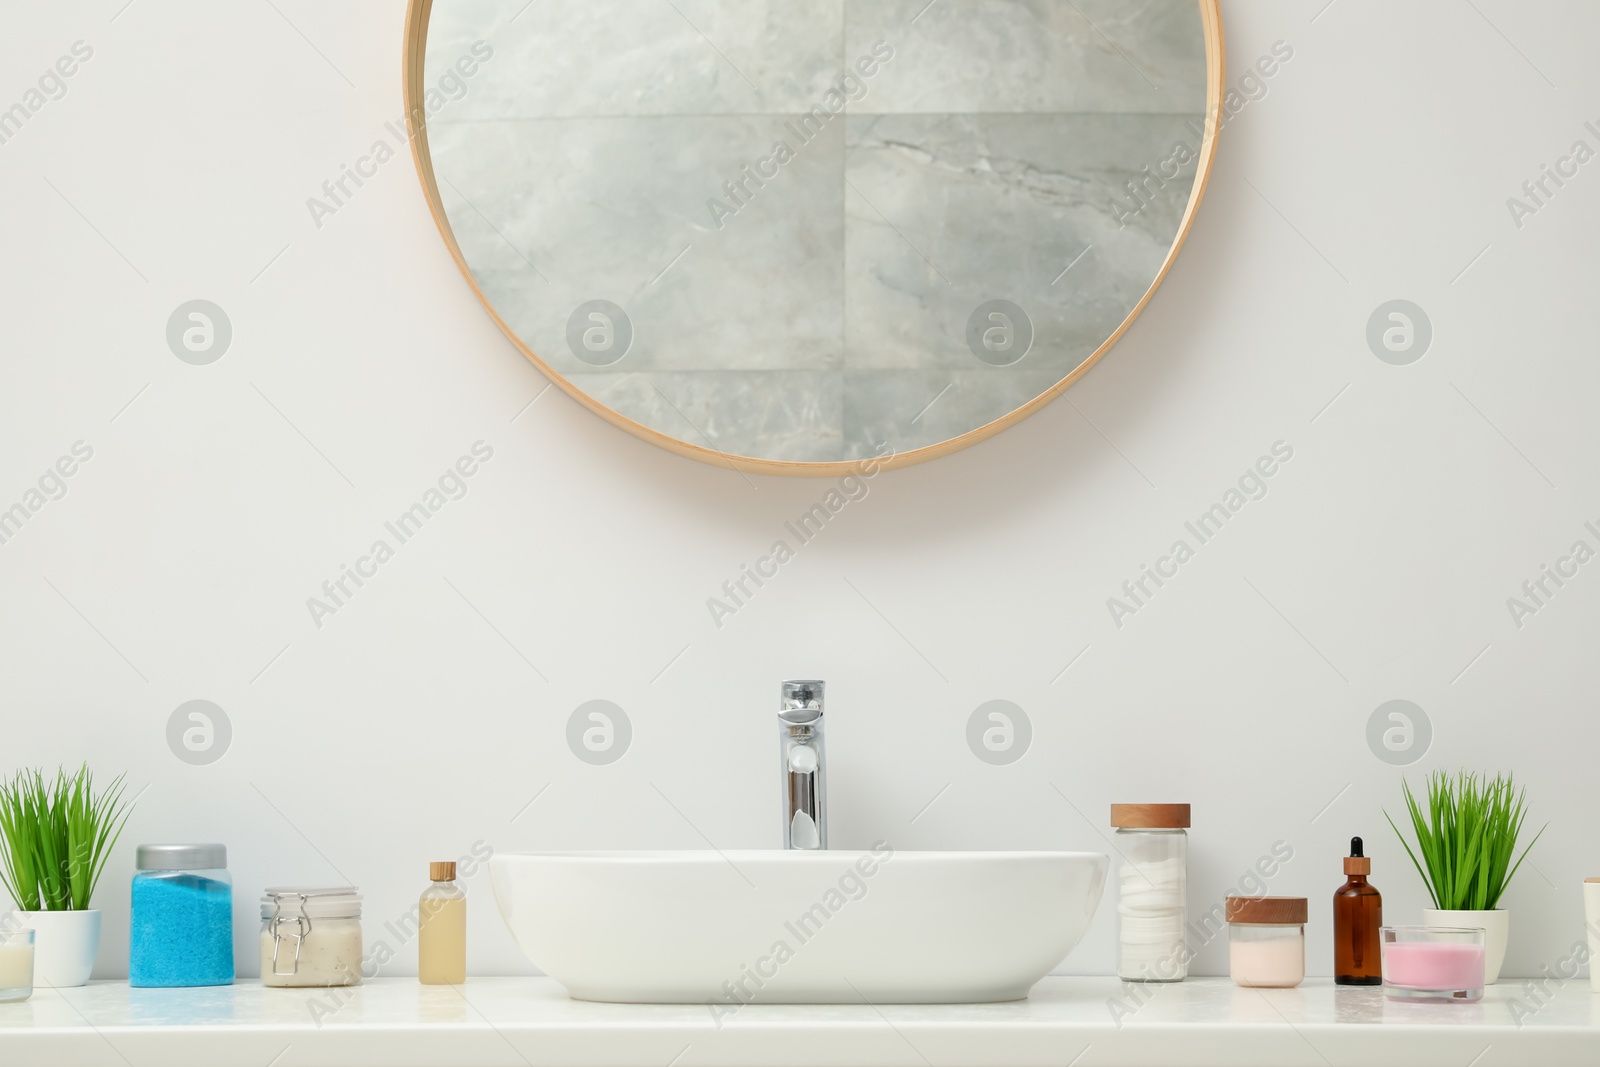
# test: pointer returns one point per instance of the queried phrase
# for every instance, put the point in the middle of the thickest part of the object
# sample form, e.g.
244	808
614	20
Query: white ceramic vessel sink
828	927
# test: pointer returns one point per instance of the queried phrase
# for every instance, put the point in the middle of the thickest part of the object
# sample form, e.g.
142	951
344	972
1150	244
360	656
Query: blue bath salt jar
182	928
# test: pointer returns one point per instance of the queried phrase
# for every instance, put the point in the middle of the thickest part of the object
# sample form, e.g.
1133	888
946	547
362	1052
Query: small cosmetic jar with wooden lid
1266	941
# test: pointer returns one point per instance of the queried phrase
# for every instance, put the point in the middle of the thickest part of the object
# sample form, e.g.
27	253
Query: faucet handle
800	701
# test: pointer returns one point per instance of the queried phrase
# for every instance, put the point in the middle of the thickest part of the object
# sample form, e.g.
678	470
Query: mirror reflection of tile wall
800	206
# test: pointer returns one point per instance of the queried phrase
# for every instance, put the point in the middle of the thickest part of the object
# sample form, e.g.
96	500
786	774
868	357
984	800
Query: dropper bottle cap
1356	863
446	872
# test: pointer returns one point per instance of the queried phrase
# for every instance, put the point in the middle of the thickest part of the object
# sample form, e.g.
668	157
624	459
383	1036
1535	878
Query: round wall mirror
795	238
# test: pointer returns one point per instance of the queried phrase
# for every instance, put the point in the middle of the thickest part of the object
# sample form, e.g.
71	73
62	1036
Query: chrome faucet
803	765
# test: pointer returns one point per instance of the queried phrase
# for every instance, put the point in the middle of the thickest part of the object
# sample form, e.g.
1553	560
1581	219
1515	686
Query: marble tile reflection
914	408
639	57
551	214
946	212
782	415
1034	55
805	288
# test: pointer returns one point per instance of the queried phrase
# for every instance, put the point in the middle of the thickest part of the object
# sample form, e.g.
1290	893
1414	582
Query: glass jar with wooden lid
1152	840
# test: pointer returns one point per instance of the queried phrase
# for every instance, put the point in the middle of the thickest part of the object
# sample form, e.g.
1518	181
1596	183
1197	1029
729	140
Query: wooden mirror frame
413	89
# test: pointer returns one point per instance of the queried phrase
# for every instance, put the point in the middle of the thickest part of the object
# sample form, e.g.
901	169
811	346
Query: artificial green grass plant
55	838
1466	836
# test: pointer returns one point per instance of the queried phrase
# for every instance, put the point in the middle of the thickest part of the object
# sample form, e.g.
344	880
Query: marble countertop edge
531	1022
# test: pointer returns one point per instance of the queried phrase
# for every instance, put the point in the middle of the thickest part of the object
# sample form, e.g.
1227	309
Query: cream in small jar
1267	941
310	937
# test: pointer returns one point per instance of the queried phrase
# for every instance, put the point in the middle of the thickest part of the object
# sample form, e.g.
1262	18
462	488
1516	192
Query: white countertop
530	1022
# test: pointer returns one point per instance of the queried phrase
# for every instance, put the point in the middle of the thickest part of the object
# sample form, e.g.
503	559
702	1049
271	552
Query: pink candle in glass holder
1424	965
1433	963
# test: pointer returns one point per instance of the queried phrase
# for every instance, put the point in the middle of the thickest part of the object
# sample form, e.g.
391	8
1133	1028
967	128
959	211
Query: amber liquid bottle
442	929
1357	915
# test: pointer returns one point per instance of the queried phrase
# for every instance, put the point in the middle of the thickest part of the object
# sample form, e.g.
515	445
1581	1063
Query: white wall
413	723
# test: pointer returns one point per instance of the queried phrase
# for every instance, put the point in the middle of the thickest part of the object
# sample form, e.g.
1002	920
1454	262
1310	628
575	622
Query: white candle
1591	915
16	967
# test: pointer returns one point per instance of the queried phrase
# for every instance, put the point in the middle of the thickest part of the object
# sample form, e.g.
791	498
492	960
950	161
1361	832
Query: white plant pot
65	944
1496	926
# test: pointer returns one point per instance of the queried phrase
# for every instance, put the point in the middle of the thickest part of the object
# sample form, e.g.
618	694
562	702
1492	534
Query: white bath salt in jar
1266	941
310	937
1152	875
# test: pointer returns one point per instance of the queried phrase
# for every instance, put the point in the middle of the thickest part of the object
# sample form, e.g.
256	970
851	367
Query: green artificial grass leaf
1466	838
55	838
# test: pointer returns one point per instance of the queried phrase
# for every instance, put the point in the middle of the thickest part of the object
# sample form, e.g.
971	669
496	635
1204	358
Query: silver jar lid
316	902
181	857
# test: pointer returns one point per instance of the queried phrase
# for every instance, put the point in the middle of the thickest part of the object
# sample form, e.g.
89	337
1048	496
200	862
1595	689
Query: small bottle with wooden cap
1152	840
442	929
1357	918
1266	941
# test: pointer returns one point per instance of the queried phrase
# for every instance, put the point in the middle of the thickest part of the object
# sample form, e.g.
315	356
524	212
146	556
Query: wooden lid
1150	816
1358	865
1283	910
442	872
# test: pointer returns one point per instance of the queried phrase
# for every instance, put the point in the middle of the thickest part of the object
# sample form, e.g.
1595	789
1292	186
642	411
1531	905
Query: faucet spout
803	765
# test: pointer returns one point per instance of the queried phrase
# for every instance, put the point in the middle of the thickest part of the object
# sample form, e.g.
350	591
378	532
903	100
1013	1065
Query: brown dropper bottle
1357	915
